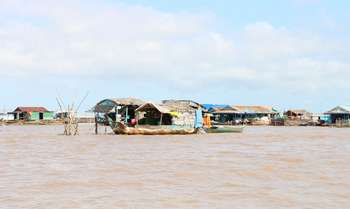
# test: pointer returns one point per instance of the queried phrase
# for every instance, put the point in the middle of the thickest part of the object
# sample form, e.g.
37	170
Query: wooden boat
121	128
224	129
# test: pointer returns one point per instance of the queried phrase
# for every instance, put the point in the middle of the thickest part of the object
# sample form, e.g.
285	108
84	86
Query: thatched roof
182	105
224	110
150	105
128	101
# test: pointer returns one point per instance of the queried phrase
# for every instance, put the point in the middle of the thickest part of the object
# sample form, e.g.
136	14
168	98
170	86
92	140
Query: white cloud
99	39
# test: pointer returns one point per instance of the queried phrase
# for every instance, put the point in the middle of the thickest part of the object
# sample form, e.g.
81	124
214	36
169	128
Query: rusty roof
30	109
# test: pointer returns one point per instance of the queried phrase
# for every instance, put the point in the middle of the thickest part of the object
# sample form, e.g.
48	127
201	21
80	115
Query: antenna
81	102
59	104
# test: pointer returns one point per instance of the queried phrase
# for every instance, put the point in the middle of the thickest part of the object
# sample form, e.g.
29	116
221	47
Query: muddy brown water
264	167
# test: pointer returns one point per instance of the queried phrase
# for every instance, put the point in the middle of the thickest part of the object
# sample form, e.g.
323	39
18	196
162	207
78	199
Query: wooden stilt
96	125
161	119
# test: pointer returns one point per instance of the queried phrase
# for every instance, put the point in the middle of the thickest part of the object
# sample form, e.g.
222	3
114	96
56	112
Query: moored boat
224	129
121	128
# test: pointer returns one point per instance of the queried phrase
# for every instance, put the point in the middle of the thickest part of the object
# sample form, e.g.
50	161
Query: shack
298	117
252	112
153	114
32	114
298	114
5	116
233	115
185	112
171	112
339	115
120	109
116	110
225	115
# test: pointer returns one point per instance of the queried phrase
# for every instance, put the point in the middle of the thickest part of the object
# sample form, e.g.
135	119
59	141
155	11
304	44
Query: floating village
134	116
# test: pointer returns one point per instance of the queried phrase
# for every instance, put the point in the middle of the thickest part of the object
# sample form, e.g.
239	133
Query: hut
232	115
256	115
6	117
117	110
339	115
256	111
153	114
225	115
32	114
186	112
298	117
298	114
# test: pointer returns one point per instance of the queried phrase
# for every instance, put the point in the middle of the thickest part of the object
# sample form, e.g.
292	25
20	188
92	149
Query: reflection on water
265	167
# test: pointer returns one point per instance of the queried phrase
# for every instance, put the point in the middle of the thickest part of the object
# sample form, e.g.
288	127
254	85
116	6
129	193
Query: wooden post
137	118
161	119
116	114
96	125
126	115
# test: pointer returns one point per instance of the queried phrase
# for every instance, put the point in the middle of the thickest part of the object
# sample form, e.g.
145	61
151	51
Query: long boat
224	129
120	128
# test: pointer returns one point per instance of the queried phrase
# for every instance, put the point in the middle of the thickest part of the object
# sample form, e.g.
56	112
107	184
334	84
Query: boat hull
225	129
122	129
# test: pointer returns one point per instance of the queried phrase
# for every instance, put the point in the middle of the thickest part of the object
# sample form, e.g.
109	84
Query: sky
286	54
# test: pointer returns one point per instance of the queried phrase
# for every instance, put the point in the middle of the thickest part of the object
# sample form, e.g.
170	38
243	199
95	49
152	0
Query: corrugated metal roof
107	105
224	111
254	109
30	109
342	109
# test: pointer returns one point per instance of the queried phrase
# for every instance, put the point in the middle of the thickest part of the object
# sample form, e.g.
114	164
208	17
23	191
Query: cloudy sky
288	54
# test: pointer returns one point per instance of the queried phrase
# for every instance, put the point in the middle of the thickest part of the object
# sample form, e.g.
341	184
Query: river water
264	167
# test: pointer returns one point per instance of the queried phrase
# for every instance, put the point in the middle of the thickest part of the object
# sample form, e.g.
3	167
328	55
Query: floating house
321	119
232	115
116	110
298	114
339	115
171	112
225	115
298	117
189	113
153	114
32	114
257	111
6	117
133	112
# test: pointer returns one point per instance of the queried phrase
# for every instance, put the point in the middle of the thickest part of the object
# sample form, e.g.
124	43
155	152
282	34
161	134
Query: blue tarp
209	106
199	119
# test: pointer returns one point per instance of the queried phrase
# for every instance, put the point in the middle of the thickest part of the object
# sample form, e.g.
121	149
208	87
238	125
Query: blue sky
288	54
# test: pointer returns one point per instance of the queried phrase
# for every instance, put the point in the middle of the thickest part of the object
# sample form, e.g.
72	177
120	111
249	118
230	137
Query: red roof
31	109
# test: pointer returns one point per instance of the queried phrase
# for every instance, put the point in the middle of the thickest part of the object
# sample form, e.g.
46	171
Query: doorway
41	116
